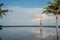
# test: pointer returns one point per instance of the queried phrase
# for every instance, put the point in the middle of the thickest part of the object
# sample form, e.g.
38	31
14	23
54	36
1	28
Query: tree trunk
0	27
57	27
40	26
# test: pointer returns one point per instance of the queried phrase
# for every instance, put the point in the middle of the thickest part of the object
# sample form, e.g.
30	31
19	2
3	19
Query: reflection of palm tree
2	12
54	8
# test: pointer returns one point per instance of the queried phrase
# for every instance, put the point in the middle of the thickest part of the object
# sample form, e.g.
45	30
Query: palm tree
41	25
54	7
2	12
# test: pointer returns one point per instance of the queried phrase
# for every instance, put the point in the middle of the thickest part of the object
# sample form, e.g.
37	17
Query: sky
26	12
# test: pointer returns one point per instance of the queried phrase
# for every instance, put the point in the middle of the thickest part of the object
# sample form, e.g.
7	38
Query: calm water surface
20	33
17	33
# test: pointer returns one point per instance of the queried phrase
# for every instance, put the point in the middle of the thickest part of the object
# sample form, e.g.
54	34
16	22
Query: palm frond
50	3
5	11
58	11
44	11
1	4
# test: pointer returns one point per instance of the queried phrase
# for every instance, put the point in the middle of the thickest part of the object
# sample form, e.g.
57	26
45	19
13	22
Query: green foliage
53	7
1	4
2	12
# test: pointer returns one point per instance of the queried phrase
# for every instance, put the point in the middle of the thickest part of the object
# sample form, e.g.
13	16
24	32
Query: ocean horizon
31	26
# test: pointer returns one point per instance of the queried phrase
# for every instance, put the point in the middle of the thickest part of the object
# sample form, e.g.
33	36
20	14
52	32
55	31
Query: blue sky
26	12
26	3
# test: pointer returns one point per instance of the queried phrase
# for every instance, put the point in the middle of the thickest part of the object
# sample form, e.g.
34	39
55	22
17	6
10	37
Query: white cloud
46	19
36	20
43	17
20	16
26	16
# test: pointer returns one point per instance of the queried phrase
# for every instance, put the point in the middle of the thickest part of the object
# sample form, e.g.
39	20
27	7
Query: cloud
43	17
20	16
26	16
46	19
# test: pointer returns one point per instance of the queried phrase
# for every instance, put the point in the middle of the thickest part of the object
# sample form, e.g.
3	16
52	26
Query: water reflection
27	33
0	32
